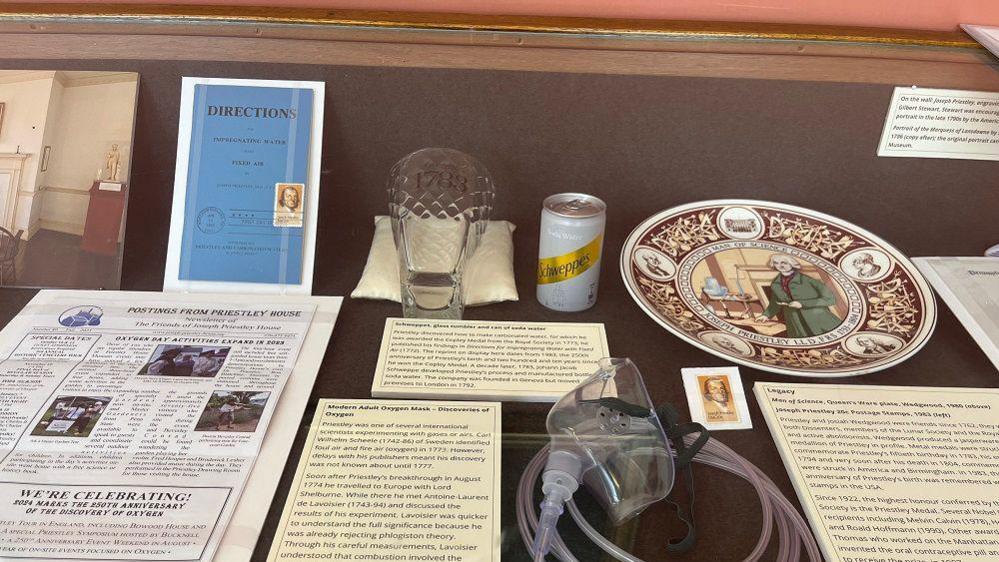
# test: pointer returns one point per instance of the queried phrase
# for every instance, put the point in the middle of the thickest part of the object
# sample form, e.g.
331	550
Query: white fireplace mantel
12	166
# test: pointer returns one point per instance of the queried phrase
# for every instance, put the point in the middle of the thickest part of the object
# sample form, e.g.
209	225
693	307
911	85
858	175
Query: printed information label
527	361
891	472
401	480
928	123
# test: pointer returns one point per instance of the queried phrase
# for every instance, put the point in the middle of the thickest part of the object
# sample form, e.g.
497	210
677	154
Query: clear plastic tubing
792	530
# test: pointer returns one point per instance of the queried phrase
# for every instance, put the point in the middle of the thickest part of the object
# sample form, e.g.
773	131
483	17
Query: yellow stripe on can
567	266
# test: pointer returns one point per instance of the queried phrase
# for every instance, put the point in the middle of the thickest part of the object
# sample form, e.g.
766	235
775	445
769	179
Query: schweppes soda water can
572	243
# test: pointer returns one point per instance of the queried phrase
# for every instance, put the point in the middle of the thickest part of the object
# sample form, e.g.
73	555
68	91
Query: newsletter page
128	425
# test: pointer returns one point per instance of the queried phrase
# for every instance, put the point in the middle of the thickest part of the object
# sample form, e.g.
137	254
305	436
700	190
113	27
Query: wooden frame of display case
681	48
645	114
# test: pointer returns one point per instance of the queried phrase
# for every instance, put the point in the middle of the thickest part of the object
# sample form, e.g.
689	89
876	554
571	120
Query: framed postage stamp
289	202
716	397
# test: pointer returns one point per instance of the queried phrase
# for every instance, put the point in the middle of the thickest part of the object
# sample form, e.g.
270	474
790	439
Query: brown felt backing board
643	144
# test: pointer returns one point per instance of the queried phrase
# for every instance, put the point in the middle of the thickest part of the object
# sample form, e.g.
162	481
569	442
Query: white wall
24	121
49	134
24	115
48	138
91	119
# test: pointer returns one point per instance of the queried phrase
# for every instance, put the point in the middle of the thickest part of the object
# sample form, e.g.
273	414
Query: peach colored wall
909	14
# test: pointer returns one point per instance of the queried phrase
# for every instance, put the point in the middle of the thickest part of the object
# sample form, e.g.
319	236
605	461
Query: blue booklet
246	186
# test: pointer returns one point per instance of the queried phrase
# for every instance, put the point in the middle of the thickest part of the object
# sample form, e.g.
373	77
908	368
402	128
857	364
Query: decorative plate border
928	301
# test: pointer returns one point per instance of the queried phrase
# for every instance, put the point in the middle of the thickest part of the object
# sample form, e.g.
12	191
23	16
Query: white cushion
488	273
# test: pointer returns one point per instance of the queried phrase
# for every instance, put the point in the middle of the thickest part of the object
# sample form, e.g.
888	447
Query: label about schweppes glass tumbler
572	235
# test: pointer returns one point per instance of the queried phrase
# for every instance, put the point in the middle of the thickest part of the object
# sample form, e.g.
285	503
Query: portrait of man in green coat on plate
801	301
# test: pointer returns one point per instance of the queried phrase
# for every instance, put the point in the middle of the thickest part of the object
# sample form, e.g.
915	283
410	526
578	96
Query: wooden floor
54	259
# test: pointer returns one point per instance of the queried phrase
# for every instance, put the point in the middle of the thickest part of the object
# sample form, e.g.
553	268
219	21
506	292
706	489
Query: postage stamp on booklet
289	204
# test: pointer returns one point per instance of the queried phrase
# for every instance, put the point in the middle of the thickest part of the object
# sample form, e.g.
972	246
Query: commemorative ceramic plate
778	288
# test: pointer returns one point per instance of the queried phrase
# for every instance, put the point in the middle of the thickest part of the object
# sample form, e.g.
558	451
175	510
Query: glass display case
644	115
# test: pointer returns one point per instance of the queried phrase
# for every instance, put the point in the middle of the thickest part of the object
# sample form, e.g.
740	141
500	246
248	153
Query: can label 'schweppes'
561	268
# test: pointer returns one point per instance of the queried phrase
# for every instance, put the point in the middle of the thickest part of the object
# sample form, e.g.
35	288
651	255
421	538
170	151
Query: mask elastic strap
669	418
